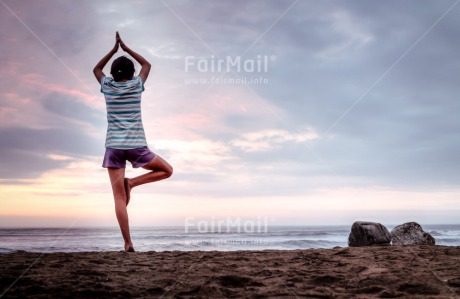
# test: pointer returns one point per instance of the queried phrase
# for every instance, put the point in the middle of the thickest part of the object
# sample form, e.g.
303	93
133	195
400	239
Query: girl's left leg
117	180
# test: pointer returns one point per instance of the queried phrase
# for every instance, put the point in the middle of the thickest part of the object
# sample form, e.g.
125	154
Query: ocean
167	238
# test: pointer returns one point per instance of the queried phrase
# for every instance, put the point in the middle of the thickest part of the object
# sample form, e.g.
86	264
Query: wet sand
364	272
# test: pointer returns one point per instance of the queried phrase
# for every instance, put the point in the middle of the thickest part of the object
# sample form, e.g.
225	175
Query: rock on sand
368	233
410	233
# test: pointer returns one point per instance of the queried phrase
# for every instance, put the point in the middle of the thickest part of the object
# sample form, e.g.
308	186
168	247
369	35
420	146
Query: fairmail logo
226	225
259	64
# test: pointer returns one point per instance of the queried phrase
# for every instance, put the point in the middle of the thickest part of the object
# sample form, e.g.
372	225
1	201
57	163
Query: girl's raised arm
100	66
145	65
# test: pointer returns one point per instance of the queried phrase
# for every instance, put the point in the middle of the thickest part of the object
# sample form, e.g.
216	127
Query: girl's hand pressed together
122	44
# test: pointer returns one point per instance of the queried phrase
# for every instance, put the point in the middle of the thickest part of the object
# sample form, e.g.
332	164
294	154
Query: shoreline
174	238
360	272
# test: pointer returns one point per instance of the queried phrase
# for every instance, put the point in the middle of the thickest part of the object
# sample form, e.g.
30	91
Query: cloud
19	164
166	51
25	153
269	139
202	155
69	107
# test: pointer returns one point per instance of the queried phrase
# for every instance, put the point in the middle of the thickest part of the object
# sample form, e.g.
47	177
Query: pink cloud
89	99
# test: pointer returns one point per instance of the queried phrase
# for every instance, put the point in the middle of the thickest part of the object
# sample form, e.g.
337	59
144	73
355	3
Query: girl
125	139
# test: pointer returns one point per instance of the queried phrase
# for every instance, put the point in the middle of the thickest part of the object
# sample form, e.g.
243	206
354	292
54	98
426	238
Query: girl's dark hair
122	68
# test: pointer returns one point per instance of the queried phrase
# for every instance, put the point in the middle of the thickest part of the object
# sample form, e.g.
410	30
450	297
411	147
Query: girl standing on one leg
125	139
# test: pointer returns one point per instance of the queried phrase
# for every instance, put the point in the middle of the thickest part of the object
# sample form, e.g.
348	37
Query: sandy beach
360	272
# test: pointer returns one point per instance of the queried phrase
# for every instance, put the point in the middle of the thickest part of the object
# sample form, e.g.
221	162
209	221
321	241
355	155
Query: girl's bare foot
129	247
127	190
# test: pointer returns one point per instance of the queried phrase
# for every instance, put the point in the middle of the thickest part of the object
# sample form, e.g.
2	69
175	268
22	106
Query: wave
175	238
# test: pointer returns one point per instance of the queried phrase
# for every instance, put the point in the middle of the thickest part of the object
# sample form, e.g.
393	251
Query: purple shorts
116	158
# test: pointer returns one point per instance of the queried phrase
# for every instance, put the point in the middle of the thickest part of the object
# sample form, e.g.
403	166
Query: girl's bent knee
169	172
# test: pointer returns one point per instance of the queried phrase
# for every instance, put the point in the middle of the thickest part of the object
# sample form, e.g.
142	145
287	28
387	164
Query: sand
364	272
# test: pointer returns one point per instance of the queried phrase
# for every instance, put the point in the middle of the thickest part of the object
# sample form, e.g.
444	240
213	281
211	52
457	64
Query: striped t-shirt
123	102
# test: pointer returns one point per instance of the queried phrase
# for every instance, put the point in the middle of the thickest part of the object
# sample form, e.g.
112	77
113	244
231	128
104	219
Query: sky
339	111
